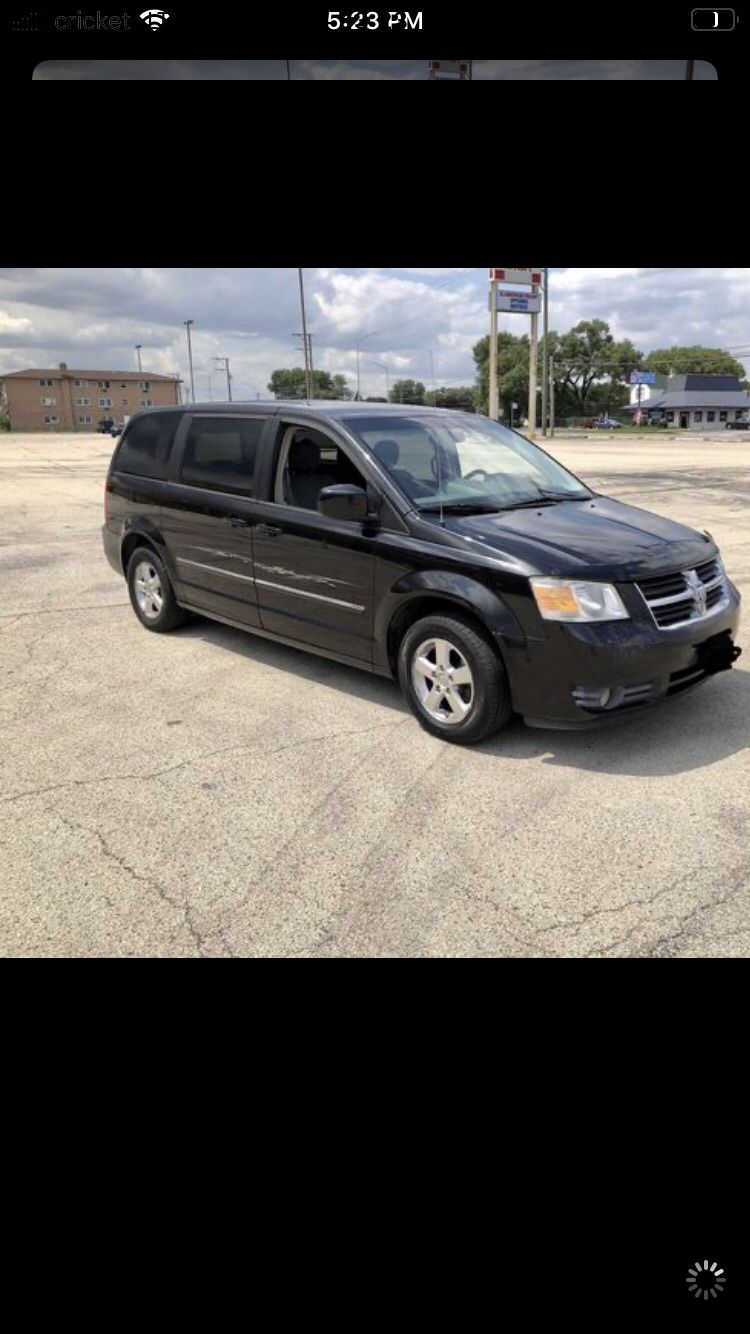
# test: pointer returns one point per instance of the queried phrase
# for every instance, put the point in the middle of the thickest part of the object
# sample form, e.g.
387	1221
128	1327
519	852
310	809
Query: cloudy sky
359	70
406	321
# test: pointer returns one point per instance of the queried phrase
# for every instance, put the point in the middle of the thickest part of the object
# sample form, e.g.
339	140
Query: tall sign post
531	430
527	303
545	340
493	347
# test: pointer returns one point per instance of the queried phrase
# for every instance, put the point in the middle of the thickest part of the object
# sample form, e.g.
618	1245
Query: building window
710	416
144	384
85	421
738	415
83	402
105	402
45	383
51	421
124	402
722	416
698	416
103	384
670	416
147	402
49	402
123	386
81	384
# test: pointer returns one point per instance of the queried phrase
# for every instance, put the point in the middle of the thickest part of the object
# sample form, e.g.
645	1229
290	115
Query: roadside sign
528	303
524	277
643	377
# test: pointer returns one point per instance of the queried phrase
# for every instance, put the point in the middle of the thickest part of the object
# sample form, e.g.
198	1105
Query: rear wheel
453	679
151	592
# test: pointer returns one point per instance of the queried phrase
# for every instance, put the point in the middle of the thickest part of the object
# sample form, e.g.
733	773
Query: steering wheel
475	472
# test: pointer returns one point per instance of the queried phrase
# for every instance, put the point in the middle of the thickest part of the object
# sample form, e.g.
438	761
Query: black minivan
434	545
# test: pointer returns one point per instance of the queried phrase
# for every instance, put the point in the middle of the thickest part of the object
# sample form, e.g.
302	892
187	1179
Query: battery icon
713	20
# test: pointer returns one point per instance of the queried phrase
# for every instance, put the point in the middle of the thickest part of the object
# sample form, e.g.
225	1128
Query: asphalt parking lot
209	793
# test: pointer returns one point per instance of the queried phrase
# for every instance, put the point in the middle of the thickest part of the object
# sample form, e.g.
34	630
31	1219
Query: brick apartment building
65	400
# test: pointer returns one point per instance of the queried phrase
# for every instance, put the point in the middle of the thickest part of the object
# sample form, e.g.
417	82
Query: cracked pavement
211	794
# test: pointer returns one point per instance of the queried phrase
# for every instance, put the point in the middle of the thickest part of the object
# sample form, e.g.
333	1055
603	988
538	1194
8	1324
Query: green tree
376	400
291	384
693	360
586	357
512	373
407	391
462	397
4	418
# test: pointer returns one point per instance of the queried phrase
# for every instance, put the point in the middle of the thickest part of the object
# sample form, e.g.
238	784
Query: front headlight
573	600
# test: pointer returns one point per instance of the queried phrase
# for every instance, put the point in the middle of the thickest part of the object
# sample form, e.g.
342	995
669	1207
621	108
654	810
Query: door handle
268	529
235	521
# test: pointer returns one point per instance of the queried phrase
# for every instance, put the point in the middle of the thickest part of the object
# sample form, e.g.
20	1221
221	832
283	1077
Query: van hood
597	536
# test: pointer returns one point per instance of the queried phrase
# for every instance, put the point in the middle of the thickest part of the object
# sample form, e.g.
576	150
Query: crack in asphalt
739	882
196	759
182	907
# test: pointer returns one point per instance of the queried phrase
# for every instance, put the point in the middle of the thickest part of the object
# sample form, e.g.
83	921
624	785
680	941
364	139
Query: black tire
170	615
488	695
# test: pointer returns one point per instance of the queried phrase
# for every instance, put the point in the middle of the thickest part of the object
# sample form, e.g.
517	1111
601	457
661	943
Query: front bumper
561	681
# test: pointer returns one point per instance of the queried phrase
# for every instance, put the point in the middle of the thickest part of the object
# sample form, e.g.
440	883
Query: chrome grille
687	595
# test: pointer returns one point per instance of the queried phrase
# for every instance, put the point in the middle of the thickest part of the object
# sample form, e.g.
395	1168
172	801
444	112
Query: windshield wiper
460	507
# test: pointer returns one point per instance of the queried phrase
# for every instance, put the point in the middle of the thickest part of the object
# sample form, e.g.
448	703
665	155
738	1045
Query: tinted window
146	444
220	453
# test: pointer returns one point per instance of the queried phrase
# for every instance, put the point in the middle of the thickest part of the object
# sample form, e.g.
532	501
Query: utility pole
138	347
358	393
312	377
229	378
308	373
544	356
552	396
532	377
493	348
187	324
432	373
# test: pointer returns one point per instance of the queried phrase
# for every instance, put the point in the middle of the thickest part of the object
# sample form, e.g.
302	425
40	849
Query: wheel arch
139	537
421	596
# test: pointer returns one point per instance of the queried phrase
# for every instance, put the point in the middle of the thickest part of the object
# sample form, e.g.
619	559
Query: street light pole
138	347
229	378
308	374
187	324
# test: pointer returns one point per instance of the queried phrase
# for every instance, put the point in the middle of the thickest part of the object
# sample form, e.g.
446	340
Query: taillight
106	500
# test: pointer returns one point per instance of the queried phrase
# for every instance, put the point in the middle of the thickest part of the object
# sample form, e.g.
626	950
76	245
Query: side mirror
344	501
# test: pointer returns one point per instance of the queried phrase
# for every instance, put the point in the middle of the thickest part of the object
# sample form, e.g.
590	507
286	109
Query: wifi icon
153	18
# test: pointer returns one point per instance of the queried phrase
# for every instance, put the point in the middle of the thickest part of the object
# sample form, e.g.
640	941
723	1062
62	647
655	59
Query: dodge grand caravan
432	545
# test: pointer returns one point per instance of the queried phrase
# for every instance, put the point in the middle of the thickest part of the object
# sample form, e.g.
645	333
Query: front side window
220	453
145	446
455	462
309	461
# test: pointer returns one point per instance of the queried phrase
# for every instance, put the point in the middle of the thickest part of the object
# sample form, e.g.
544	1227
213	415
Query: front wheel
453	679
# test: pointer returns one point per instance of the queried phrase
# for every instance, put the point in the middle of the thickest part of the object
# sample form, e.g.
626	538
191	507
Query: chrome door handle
268	529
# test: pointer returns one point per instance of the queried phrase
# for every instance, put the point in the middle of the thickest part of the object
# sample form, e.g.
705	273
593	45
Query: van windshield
457	463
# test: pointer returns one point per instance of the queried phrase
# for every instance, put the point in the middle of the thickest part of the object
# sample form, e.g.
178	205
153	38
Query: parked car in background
607	424
743	425
118	428
106	424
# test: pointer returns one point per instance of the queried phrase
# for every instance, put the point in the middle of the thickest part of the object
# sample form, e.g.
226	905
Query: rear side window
220	453
146	444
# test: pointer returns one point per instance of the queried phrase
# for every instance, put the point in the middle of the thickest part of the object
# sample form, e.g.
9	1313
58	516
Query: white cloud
92	318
